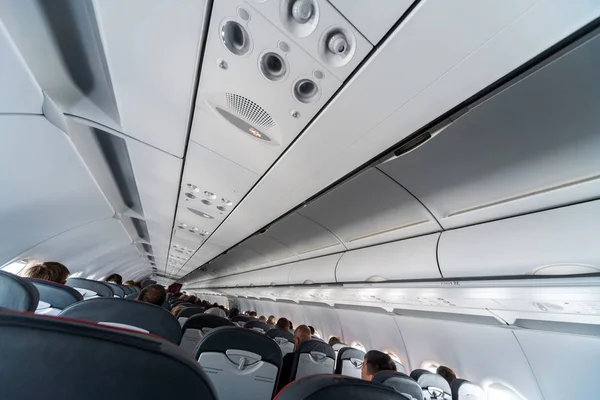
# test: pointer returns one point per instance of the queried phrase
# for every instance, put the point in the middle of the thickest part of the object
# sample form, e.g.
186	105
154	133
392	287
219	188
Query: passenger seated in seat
446	373
216	311
253	314
176	310
262	318
374	362
114	278
49	271
153	294
129	283
271	320
283	324
301	334
334	340
234	312
291	327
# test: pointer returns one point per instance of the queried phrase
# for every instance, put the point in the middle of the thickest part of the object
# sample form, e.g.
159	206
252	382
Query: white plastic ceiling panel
20	92
40	201
369	209
305	237
563	240
372	21
414	258
420	72
61	44
315	270
266	116
315	34
152	50
533	146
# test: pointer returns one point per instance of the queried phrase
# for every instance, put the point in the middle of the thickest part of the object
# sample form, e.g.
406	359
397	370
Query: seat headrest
65	358
221	340
200	321
57	295
103	289
242	318
316	345
147	316
328	386
117	289
338	346
402	383
430	381
273	333
132	296
256	324
17	294
188	312
465	390
147	282
347	353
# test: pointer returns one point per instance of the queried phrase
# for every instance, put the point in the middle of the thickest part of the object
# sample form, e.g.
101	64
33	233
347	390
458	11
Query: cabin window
15	267
499	391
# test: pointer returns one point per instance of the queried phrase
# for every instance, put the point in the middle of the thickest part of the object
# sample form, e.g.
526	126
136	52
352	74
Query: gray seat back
186	313
17	293
73	360
54	296
313	357
117	289
128	313
197	326
400	382
349	362
240	320
434	386
465	390
258	326
284	339
243	356
102	289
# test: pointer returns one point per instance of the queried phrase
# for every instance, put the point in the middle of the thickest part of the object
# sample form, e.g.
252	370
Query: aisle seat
186	313
434	386
349	362
240	320
400	382
149	317
197	326
240	363
312	357
17	294
256	325
465	390
102	289
284	339
53	358
54	297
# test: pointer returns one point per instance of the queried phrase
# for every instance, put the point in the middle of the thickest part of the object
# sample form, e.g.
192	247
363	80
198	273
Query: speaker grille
249	110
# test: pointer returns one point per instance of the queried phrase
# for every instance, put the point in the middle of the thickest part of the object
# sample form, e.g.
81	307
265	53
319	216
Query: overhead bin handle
376	278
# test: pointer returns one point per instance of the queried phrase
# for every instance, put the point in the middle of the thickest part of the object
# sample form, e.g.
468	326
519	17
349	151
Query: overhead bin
532	146
406	259
315	270
562	241
370	208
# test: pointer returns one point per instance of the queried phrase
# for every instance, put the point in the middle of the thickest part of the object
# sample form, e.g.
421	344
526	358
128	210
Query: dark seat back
197	326
240	320
117	289
56	297
465	390
349	362
284	339
186	313
256	325
400	382
434	386
327	387
17	293
102	289
243	356
149	317
72	360
312	357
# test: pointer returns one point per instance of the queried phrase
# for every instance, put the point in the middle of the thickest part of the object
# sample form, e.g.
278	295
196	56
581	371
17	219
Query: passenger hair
129	283
283	324
253	314
49	271
446	373
302	332
271	320
177	309
312	330
115	278
234	312
378	361
153	294
334	340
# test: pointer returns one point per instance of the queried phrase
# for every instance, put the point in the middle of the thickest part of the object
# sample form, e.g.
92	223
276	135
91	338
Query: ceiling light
181	225
193	229
210	195
226	202
200	213
193	188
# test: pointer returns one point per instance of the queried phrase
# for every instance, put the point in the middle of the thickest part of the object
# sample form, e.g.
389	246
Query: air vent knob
302	11
337	43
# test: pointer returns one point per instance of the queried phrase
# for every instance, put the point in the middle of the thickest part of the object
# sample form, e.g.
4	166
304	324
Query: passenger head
334	340
114	278
271	319
253	314
49	271
234	312
216	311
283	324
177	309
129	283
446	373
301	334
262	318
374	362
153	294
312	330
192	299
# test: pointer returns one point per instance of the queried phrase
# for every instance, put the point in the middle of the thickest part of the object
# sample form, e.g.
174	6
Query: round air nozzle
235	38
306	91
337	43
273	66
302	11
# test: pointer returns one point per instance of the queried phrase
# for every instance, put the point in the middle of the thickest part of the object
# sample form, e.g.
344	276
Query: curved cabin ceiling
176	136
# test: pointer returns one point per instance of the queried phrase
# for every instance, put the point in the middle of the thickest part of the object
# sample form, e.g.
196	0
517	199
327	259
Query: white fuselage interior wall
535	364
